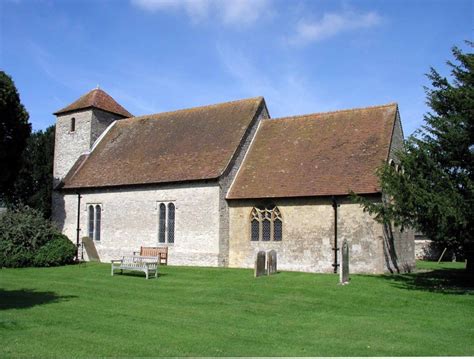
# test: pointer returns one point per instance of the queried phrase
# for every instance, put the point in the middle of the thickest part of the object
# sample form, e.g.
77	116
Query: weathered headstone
91	251
260	264
344	271
271	262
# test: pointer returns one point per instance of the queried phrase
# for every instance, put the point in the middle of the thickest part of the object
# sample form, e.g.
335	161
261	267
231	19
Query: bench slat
146	264
161	252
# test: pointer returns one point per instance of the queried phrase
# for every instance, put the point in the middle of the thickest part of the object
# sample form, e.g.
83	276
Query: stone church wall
396	143
70	145
226	181
308	236
130	220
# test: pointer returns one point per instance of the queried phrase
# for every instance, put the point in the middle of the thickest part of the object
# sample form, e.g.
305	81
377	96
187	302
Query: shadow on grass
138	274
446	281
26	298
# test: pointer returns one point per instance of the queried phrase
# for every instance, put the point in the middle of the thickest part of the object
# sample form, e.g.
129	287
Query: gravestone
344	271
260	264
89	246
271	262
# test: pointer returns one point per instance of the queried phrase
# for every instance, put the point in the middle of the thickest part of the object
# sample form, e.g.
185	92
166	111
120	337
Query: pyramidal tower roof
96	98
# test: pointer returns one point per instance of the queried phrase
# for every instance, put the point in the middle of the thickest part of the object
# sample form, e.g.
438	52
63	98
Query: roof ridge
334	111
99	99
259	98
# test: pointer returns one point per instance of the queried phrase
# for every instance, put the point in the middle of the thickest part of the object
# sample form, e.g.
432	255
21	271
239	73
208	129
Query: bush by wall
58	251
25	237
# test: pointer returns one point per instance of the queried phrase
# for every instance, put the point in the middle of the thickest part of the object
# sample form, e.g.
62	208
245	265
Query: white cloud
229	12
241	11
332	24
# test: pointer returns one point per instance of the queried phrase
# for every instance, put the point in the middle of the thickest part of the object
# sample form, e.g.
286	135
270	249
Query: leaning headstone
271	262
91	251
260	264
344	271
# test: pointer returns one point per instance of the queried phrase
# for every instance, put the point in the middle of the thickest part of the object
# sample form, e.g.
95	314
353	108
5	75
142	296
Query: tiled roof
316	155
184	145
96	98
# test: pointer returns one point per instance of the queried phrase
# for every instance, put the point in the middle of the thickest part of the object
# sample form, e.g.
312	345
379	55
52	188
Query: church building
218	183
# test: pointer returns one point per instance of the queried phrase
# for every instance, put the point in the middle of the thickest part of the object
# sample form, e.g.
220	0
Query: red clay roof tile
96	98
315	155
184	145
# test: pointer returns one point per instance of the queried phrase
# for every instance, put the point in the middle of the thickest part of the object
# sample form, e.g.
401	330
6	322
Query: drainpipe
335	248
78	229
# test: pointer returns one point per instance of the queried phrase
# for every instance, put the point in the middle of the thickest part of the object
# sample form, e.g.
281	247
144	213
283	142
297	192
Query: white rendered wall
130	220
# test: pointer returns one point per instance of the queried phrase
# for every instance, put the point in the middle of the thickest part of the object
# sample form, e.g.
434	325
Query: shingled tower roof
96	98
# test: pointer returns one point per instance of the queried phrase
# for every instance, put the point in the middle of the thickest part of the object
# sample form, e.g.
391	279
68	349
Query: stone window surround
166	232
95	204
396	166
271	212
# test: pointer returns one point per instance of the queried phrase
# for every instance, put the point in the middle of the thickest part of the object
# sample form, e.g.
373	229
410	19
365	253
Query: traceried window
266	224
255	220
166	222
94	220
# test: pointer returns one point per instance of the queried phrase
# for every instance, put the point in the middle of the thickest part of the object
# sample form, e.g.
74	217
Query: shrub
23	233
58	251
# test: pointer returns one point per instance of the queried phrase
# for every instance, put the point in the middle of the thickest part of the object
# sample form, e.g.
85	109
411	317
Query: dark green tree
33	186
14	132
432	188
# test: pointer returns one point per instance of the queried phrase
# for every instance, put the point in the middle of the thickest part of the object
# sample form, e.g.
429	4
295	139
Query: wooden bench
160	252
148	265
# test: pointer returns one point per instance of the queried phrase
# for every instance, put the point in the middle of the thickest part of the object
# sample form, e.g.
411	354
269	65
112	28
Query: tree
14	131
33	186
432	187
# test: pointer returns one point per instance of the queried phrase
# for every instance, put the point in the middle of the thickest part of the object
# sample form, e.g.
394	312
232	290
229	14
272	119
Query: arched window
170	223
255	220
91	222
162	224
73	125
277	225
266	224
166	222
94	221
98	215
392	164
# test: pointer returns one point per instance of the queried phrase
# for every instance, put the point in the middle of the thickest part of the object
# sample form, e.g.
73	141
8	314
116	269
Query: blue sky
160	55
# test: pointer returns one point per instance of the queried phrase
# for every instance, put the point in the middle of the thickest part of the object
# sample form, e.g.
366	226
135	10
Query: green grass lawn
81	311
